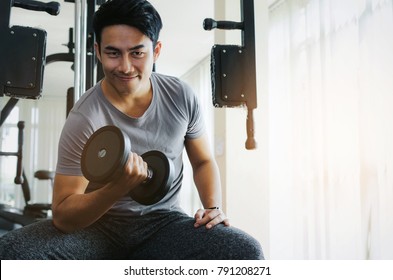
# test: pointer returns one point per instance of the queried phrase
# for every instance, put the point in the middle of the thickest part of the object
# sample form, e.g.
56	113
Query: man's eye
112	54
138	54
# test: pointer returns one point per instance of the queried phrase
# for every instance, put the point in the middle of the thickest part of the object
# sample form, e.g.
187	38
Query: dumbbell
105	155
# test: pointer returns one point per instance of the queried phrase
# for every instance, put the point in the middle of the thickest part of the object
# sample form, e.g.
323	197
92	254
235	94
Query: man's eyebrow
111	48
137	47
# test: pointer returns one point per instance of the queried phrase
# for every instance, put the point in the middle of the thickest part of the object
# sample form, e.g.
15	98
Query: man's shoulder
170	84
166	80
89	98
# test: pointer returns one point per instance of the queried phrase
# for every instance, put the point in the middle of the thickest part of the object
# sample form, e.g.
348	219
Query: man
101	221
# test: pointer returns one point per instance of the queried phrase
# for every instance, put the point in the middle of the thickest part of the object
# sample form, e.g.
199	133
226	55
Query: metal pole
77	50
83	46
80	49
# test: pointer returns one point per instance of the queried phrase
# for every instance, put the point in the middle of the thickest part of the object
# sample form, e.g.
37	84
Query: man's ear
97	50
157	50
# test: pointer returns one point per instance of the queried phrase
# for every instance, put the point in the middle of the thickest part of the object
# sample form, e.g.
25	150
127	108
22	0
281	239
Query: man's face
127	58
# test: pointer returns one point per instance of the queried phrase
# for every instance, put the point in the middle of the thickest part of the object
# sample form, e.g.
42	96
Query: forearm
208	183
209	187
74	208
81	210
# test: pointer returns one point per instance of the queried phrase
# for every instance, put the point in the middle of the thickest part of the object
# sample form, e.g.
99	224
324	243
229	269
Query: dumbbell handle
160	176
149	176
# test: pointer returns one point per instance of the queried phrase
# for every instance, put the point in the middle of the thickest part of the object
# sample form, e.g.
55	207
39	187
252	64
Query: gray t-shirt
173	115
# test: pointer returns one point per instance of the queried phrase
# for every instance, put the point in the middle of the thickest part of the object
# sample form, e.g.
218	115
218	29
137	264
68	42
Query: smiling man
127	56
157	112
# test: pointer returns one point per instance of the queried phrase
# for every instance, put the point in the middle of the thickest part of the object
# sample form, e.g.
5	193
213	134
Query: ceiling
184	40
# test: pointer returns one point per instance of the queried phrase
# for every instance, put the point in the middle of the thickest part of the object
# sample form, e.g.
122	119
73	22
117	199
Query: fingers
135	170
199	214
210	218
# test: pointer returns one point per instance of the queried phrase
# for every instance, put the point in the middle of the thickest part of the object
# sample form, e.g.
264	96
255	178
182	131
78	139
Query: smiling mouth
127	78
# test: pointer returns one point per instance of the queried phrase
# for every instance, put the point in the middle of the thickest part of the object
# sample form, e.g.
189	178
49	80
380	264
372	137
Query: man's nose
126	65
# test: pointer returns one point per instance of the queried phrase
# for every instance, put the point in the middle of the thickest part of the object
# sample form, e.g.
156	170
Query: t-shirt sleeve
196	125
73	137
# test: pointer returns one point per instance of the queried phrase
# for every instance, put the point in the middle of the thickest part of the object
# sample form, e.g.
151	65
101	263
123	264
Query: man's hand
210	218
134	173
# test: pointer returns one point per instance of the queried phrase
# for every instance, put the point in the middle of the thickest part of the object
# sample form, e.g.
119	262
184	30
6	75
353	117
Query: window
8	143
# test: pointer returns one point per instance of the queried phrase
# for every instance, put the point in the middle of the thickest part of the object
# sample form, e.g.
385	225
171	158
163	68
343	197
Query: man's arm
74	209
207	181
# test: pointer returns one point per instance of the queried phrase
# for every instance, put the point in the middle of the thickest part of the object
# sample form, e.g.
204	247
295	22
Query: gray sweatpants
162	236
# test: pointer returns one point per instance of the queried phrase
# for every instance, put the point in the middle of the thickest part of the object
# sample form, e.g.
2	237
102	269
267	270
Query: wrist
213	208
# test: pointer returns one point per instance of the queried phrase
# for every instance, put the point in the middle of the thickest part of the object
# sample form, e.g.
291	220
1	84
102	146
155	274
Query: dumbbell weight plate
158	186
105	154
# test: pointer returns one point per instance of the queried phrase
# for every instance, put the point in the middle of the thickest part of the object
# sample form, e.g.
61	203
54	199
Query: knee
254	250
248	247
242	246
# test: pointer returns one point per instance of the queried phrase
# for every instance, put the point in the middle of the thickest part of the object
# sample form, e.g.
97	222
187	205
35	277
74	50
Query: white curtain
331	129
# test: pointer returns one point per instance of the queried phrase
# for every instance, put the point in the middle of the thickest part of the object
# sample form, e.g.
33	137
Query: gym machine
22	82
233	71
87	70
26	82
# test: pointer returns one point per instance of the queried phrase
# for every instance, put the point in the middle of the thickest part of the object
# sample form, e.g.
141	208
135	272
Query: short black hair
136	13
